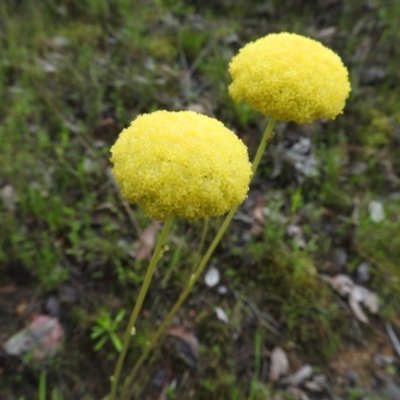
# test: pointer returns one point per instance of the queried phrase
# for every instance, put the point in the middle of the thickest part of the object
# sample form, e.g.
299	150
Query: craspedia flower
181	163
290	78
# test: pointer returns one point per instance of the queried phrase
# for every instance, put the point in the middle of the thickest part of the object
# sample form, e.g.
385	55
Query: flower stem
203	235
267	136
167	320
130	330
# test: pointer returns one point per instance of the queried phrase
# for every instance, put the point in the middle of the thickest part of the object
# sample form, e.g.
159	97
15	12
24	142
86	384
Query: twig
393	338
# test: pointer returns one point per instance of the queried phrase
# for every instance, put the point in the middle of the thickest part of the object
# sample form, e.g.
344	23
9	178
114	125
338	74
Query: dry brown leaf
313	386
146	242
393	338
356	294
187	344
360	295
343	284
258	222
356	308
303	374
21	308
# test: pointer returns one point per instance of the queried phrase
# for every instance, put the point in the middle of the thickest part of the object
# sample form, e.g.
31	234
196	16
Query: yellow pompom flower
181	163
290	78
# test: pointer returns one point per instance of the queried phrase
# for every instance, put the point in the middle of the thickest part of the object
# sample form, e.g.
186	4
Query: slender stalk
203	235
167	320
130	330
267	136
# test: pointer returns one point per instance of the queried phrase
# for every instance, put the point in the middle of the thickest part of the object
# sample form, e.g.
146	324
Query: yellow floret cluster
181	163
290	78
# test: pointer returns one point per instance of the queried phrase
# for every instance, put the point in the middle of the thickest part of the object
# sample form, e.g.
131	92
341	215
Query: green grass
73	74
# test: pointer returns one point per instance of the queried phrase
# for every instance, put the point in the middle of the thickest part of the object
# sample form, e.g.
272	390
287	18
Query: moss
379	131
81	32
380	242
161	47
308	310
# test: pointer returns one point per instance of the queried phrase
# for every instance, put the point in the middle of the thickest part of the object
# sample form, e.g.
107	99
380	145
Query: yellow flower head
181	163
290	78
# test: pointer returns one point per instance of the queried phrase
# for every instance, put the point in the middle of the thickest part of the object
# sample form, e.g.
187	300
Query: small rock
222	289
8	197
68	294
376	212
212	277
43	337
340	257
53	307
391	391
352	377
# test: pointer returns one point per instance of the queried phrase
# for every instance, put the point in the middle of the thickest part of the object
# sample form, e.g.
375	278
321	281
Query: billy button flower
289	77
180	164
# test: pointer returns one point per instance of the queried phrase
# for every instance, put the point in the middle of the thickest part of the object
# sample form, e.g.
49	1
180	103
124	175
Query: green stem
130	330
167	320
203	235
267	136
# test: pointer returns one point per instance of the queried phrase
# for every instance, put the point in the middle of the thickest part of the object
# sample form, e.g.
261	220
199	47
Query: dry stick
130	330
267	136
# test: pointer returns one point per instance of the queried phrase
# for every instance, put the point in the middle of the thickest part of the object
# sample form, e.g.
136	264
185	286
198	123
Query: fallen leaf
371	301
187	345
313	386
393	338
258	211
21	308
303	374
8	289
360	295
327	34
258	218
343	284
356	308
221	315
279	364
196	108
356	295
146	242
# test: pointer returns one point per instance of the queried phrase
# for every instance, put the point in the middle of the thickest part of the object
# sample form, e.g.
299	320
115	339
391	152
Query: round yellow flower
290	78
181	163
